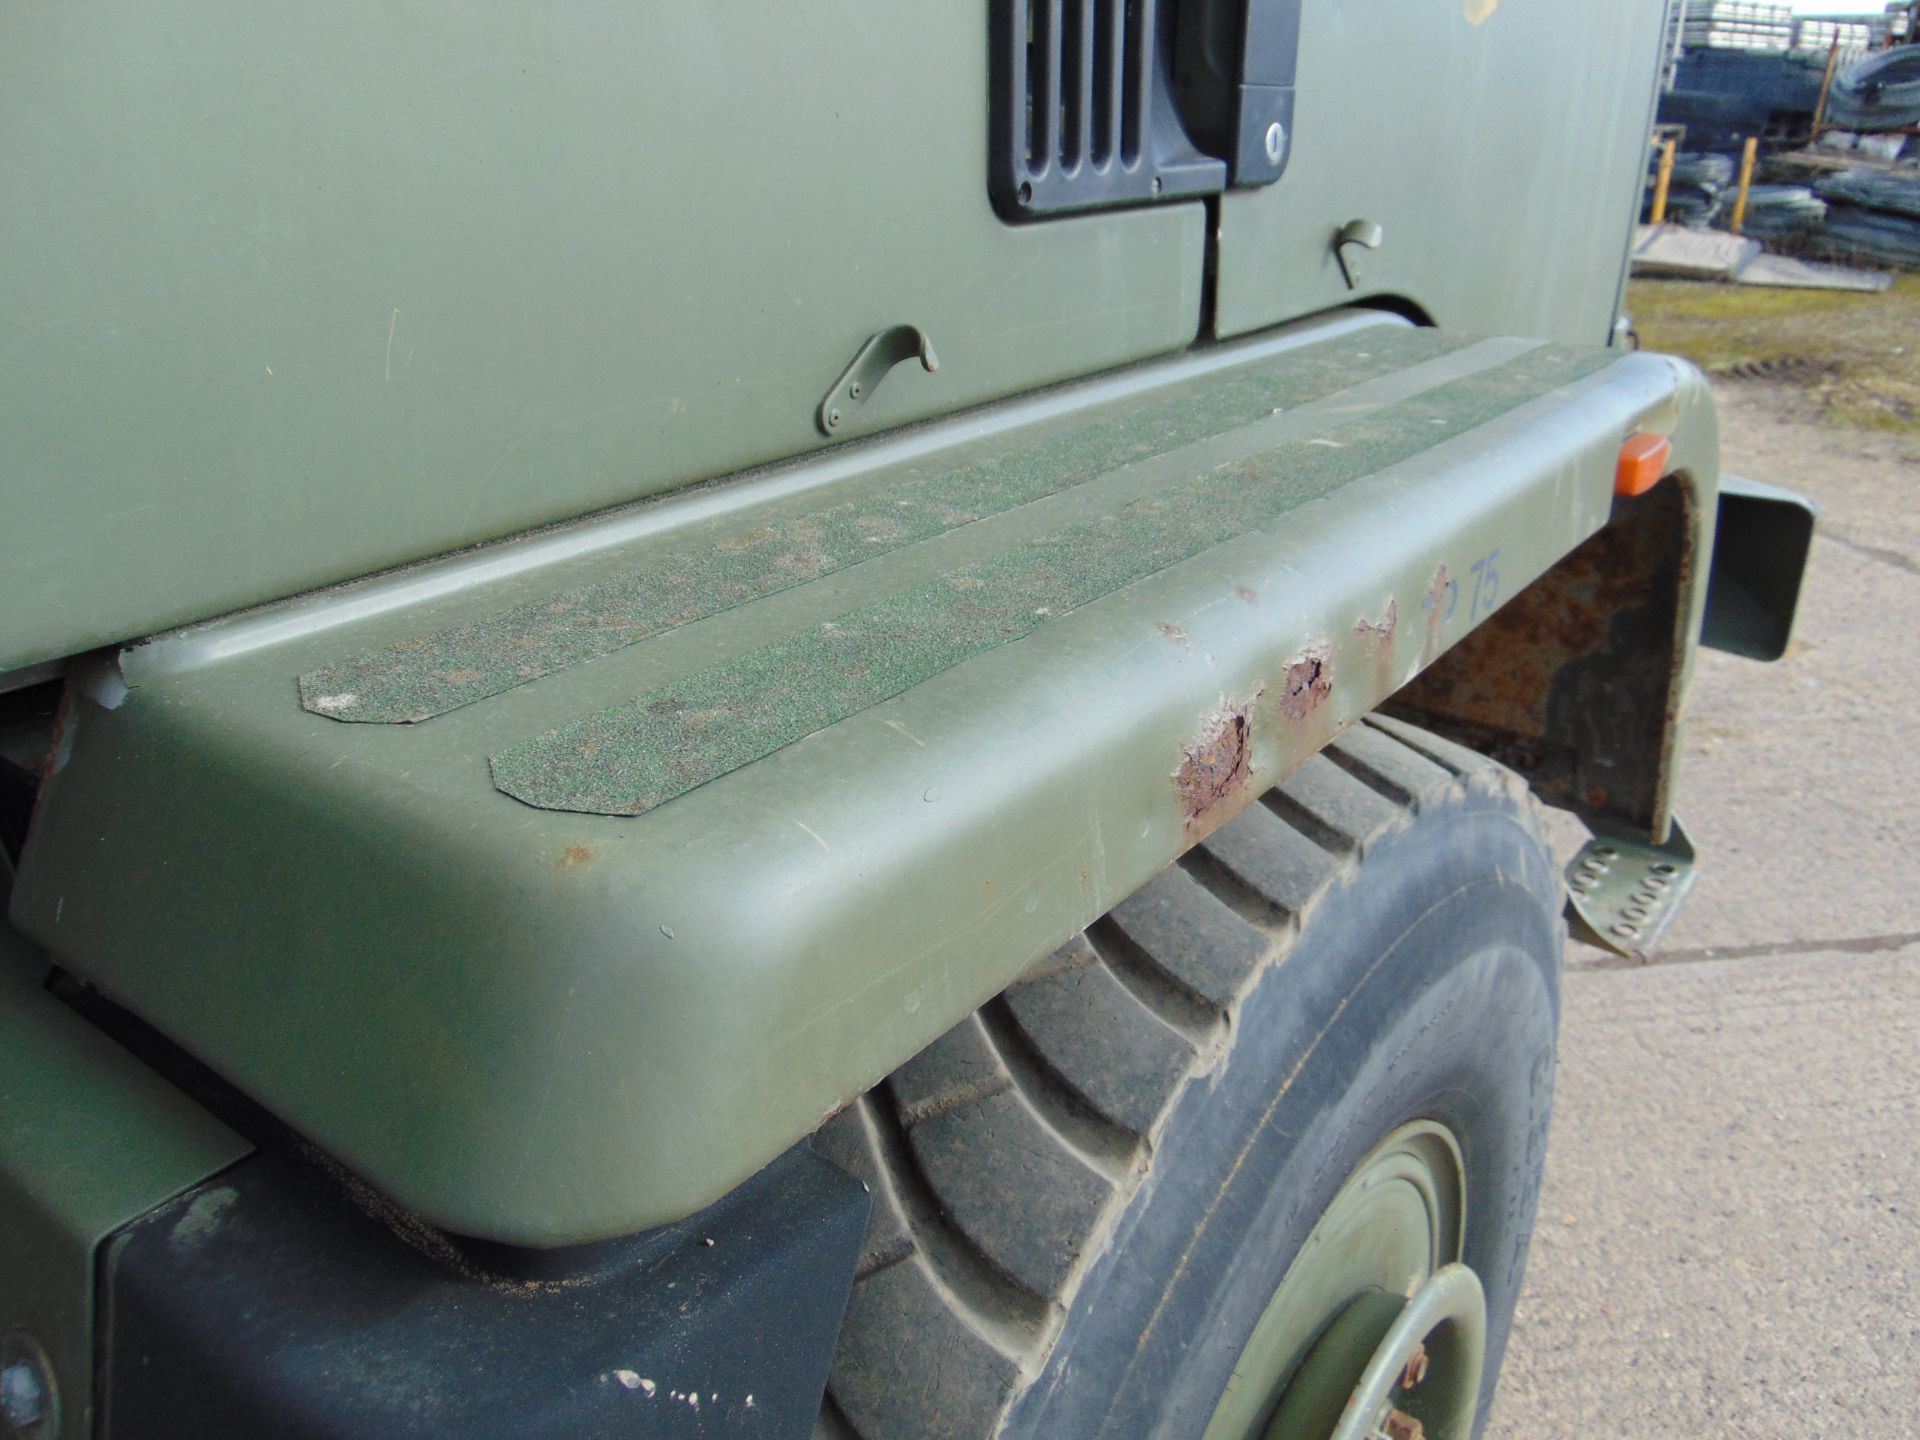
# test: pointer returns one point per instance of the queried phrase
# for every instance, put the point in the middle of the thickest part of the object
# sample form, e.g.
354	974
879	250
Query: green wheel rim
1377	1329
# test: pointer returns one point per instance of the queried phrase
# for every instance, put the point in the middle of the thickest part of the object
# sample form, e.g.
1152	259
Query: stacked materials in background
1699	192
1879	92
1737	25
1783	212
1862	215
1852	32
1762	25
1872	214
1752	70
1723	96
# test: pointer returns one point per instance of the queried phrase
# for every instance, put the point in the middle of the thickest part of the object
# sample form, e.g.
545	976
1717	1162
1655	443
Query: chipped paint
1481	11
1377	637
1215	764
1309	681
202	1218
1174	633
1379	633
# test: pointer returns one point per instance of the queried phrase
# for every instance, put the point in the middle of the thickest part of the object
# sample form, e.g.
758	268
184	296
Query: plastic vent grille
1082	113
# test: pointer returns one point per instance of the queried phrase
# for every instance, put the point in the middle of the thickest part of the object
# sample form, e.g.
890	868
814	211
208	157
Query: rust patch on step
1247	593
574	856
1376	636
1214	764
1309	681
1379	632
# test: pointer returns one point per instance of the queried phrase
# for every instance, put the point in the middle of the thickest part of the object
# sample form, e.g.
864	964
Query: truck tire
1190	1168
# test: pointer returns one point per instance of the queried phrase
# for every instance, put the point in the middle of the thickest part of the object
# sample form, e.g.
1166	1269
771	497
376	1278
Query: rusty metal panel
1577	682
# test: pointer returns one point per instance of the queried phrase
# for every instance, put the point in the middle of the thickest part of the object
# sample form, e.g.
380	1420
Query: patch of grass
1857	357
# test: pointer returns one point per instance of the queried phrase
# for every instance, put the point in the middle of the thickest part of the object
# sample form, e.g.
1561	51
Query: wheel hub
1393	1368
1377	1331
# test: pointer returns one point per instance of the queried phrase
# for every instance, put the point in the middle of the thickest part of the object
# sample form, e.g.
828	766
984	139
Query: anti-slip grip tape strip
428	675
629	758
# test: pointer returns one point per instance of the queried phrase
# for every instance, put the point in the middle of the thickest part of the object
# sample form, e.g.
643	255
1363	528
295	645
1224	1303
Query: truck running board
557	887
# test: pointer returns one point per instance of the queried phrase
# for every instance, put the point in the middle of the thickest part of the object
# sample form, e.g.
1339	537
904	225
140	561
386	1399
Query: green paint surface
632	757
429	675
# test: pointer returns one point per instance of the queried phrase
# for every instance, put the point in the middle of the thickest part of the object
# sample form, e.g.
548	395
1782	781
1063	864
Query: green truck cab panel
557	887
1500	149
291	294
90	1139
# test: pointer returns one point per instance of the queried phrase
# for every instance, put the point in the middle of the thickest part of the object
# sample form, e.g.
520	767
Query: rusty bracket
1623	893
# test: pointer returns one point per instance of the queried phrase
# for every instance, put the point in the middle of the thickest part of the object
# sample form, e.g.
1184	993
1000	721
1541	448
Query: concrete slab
1794	274
1727	1244
1692	254
1679	252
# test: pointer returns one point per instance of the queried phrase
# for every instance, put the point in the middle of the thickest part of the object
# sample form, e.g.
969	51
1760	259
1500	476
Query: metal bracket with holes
860	379
1623	893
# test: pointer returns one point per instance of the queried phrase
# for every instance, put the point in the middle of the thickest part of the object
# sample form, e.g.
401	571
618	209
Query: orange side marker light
1643	460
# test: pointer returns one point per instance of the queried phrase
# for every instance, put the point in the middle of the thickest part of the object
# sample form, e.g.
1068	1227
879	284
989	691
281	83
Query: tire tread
1020	1135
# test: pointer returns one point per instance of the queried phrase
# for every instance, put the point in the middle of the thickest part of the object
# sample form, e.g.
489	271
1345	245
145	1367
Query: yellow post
1746	183
1662	182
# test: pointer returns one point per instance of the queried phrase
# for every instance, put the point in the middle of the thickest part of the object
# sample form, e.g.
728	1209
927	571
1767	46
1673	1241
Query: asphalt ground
1729	1238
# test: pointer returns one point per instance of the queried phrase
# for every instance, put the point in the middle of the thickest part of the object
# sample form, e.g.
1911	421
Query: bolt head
1276	142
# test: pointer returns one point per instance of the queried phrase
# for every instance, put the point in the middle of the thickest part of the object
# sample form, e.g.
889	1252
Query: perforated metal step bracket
1623	893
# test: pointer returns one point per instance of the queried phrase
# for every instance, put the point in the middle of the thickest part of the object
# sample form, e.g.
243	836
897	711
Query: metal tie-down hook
860	379
1351	244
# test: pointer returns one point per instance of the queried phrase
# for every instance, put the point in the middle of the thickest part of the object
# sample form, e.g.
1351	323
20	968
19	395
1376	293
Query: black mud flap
1760	551
268	1302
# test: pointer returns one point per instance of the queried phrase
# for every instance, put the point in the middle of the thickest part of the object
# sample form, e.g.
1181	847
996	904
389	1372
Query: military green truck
781	720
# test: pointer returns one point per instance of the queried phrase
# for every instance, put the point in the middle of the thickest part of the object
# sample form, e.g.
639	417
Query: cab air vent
1083	115
1119	102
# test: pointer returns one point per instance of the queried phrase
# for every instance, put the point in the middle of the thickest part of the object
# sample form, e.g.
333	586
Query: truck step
556	887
